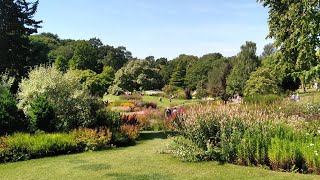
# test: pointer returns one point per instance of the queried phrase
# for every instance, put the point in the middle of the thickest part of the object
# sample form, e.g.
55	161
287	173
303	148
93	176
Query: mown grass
142	161
165	101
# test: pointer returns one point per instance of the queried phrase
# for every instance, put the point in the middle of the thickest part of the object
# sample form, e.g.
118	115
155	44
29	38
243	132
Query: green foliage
97	84
217	78
19	147
61	63
71	102
108	119
247	62
262	81
41	116
197	73
16	24
136	75
115	57
294	26
10	119
84	57
178	75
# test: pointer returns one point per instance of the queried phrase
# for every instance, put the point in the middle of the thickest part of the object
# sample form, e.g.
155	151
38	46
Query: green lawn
142	161
165	101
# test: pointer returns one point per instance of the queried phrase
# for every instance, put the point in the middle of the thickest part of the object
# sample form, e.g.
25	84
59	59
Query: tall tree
295	27
17	23
268	50
115	57
85	57
247	62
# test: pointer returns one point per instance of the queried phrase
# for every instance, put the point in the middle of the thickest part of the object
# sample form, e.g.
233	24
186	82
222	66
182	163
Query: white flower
317	154
311	144
307	134
318	131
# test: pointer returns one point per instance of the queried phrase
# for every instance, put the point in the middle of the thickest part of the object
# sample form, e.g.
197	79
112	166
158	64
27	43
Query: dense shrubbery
249	136
71	102
262	99
41	116
11	119
19	147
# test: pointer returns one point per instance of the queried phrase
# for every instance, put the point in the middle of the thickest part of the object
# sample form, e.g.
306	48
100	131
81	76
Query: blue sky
162	28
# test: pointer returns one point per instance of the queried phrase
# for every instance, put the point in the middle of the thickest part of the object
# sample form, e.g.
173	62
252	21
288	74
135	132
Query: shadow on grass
150	135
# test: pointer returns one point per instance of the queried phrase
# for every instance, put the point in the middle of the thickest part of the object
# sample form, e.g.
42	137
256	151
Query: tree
136	75
41	46
61	63
177	69
115	57
268	50
97	84
11	119
295	27
247	62
217	78
198	72
262	81
178	76
85	57
16	25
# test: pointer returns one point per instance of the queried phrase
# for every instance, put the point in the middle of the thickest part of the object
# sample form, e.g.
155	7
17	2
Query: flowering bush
92	139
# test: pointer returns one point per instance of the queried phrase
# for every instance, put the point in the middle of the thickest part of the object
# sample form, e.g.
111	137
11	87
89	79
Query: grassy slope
165	101
142	161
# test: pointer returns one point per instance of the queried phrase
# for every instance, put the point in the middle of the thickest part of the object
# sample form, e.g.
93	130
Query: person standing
168	113
297	97
292	97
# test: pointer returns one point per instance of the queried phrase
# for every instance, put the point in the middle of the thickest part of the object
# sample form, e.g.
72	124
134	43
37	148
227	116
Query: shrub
41	115
71	102
10	119
20	146
104	118
92	139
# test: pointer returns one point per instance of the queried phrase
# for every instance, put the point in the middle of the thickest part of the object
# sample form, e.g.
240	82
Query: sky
160	28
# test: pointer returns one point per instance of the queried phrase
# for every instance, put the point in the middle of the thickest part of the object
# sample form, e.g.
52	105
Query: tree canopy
16	25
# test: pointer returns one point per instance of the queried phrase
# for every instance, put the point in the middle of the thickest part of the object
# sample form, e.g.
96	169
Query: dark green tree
17	23
61	63
85	57
217	78
178	76
198	72
115	57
